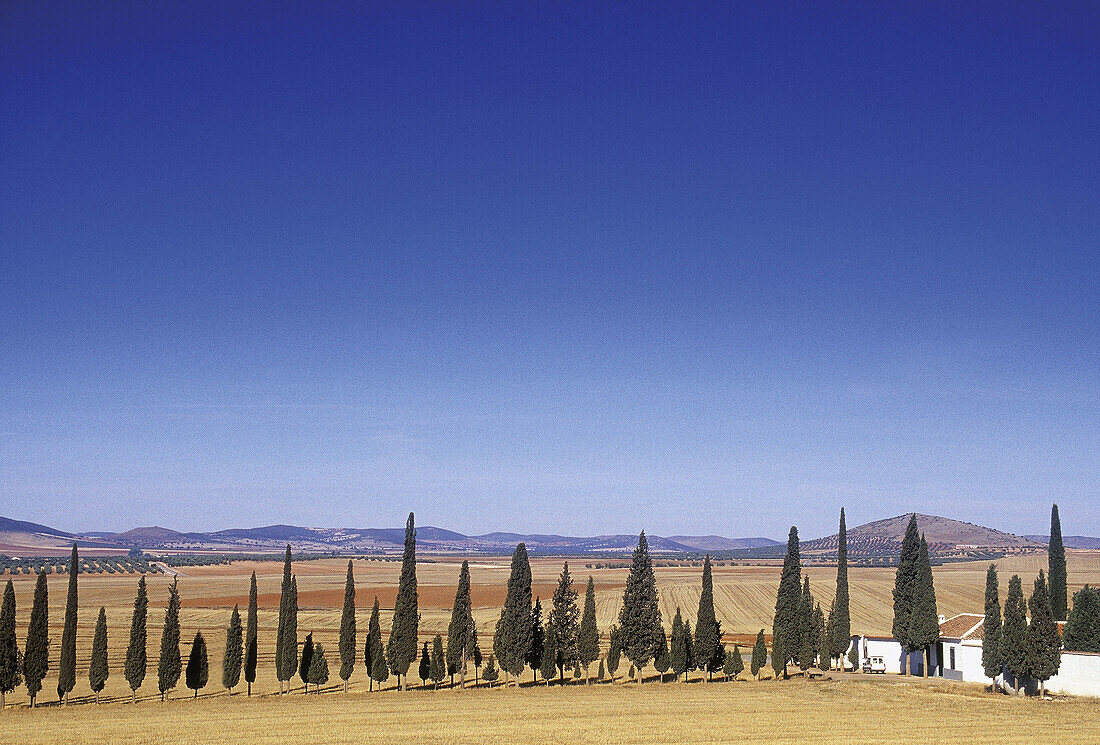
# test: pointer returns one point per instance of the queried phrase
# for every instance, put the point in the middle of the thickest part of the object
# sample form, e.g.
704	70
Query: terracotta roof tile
963	626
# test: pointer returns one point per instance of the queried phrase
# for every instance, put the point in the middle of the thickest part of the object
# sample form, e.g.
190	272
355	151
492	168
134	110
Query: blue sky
553	267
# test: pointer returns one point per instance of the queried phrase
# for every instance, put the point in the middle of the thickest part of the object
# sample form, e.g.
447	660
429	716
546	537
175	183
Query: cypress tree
614	651
66	669
662	661
375	656
290	643
136	661
512	640
477	654
601	676
806	628
1044	646
538	641
992	652
549	661
588	636
924	624
347	631
1082	632
168	666
821	640
37	652
490	675
706	625
425	669
438	669
97	670
577	671
786	625
640	616
234	652
563	622
401	647
905	587
198	670
459	639
759	656
318	668
718	659
734	664
678	654
689	648
10	674
839	631
307	660
282	672
1014	635
251	637
1056	566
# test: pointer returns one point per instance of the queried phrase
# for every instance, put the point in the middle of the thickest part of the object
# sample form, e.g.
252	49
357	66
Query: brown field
744	599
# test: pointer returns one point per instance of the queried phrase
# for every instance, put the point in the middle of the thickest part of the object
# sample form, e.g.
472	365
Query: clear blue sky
579	268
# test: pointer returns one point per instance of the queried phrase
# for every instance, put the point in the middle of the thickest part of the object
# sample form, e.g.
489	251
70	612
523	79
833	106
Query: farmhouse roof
965	627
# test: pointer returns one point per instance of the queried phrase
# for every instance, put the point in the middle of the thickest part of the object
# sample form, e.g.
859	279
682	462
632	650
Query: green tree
438	669
821	640
614	651
460	639
491	674
787	625
307	660
706	625
136	661
1082	632
97	669
678	652
549	661
1044	645
924	623
806	628
538	641
640	616
734	664
401	647
601	676
10	674
347	631
563	622
234	652
286	635
318	668
251	639
512	640
425	669
588	636
66	669
168	666
198	670
1014	636
905	588
839	630
375	657
476	655
689	648
1056	566
759	656
992	652
662	661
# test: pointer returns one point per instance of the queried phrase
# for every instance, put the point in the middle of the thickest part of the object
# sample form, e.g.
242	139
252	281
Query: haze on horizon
568	270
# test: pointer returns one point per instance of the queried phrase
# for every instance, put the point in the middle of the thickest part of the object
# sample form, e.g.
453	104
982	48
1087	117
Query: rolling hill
943	534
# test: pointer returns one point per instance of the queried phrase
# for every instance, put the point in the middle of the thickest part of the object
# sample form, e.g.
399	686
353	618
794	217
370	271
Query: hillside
720	543
1069	541
944	535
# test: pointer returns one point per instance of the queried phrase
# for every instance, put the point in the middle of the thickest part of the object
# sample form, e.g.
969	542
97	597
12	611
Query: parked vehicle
874	665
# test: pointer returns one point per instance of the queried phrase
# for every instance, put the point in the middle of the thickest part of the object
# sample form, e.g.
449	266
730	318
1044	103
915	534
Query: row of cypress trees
1014	645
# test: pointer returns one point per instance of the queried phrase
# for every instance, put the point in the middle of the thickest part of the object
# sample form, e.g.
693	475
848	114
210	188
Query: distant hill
718	543
943	535
7	525
1069	541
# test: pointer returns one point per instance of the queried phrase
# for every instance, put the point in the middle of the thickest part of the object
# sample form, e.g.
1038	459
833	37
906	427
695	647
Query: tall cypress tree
306	661
168	666
924	624
460	642
290	644
281	671
689	648
538	641
512	640
347	630
1082	632
37	653
136	661
614	651
662	661
759	656
234	652
66	669
788	603
198	669
1056	566
588	636
640	616
678	653
10	674
734	663
401	647
97	669
563	622
425	669
992	651
251	638
438	669
377	667
706	625
821	640
905	587
549	652
1044	645
806	628
839	630
1014	636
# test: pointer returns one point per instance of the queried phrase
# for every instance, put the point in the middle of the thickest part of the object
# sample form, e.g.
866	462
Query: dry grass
851	711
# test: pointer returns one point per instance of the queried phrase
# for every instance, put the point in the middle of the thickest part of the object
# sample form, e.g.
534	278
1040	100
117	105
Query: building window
952	658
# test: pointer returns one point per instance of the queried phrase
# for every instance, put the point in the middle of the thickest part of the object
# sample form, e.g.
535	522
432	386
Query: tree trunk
133	695
587	674
927	660
249	689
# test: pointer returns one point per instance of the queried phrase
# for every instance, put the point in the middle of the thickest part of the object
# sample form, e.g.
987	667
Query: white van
874	665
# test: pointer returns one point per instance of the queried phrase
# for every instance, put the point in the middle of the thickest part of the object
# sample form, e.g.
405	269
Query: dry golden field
796	711
744	598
